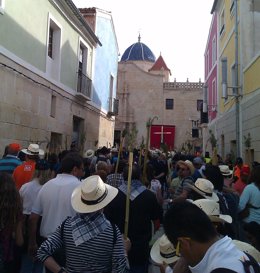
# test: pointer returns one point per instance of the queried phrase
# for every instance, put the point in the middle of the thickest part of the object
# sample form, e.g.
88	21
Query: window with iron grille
169	104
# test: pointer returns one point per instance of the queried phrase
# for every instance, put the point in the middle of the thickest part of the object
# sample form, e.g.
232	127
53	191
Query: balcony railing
84	85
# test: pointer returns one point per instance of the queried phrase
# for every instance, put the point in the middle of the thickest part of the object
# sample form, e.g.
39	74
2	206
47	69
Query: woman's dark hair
255	176
71	160
136	172
185	219
214	175
10	202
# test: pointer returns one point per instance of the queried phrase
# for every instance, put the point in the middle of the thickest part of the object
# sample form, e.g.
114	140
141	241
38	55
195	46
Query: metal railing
84	84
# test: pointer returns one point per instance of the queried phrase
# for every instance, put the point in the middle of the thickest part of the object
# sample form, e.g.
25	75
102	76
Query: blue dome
138	52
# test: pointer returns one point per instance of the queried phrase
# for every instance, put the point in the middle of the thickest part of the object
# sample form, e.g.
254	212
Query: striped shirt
115	179
97	255
184	185
9	163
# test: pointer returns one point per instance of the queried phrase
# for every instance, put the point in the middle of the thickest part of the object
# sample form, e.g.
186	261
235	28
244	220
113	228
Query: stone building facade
144	91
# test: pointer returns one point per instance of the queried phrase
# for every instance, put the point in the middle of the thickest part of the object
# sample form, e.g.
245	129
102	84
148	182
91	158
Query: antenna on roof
139	38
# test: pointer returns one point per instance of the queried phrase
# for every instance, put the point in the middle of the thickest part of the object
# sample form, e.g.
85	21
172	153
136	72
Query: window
84	82
233	77
222	22
214	50
50	44
53	49
2	6
111	88
53	106
214	95
199	105
208	67
232	5
169	104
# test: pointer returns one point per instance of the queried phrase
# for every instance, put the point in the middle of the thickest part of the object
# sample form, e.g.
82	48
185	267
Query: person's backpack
101	158
228	204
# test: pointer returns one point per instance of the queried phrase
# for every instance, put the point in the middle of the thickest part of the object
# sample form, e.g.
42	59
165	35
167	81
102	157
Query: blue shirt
251	195
9	163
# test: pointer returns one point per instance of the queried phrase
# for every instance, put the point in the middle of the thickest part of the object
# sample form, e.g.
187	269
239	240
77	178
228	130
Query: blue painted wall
106	62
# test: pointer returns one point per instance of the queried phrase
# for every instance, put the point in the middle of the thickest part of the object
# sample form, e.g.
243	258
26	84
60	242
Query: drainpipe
236	89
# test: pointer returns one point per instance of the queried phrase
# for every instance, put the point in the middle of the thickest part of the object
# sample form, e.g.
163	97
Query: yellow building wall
227	50
251	77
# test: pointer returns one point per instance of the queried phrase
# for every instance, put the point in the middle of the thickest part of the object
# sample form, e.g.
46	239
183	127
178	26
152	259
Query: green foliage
131	137
247	140
212	140
150	121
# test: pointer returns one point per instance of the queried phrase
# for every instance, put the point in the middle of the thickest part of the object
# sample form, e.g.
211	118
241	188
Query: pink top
239	186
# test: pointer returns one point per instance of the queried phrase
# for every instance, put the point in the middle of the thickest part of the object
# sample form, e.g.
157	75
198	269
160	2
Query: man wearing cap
198	163
185	172
24	172
241	183
10	161
102	155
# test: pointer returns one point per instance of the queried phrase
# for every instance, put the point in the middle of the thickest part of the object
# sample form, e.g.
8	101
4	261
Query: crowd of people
67	212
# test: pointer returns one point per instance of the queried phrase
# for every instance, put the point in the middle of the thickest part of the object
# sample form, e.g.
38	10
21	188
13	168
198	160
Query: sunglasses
177	249
182	169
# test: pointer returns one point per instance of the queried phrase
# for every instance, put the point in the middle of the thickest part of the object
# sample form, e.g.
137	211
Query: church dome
138	52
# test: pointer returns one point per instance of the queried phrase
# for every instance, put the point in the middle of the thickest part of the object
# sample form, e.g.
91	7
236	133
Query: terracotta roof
159	65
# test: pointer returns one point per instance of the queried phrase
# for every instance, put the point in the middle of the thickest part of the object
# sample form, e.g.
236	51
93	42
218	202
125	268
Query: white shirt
28	193
53	202
222	254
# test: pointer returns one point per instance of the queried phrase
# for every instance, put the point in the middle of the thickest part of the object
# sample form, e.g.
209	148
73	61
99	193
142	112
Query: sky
176	29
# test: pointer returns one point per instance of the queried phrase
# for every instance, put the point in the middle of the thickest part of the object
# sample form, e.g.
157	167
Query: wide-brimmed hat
205	188
188	164
89	153
92	195
104	150
163	251
225	170
211	208
247	248
33	149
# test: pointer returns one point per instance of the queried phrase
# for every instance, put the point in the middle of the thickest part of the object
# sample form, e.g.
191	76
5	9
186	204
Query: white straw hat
89	154
247	248
188	164
33	149
92	195
205	188
225	170
211	208
163	251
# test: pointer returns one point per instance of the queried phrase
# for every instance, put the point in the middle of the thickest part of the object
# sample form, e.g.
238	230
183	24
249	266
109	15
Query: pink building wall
210	59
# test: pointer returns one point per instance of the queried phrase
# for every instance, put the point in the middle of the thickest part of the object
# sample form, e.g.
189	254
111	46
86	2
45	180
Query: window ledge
2	11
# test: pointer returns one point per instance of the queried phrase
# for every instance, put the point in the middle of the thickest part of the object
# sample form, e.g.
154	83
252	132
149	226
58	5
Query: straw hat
225	170
92	195
163	251
205	188
211	208
89	154
33	149
247	248
188	164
